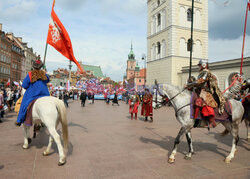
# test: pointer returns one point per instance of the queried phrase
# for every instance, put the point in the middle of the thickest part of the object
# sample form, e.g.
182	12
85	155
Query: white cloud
17	10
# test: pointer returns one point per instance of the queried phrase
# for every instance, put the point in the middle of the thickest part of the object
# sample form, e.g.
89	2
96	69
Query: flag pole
244	35
45	53
46	46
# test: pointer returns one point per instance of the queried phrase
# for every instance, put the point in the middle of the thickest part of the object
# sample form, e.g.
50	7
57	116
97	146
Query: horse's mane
176	88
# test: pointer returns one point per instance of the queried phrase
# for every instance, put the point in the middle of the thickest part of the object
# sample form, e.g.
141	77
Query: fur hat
37	64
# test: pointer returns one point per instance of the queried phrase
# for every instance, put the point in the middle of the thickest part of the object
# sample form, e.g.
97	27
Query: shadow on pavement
42	140
227	140
71	124
1	167
167	143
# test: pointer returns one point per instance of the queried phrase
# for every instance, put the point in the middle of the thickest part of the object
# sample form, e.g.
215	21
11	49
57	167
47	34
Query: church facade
169	26
135	77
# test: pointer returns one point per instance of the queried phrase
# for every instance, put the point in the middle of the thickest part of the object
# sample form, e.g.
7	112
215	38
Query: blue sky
101	30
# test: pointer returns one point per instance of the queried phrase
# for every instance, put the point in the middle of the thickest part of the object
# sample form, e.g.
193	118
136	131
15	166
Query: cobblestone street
105	143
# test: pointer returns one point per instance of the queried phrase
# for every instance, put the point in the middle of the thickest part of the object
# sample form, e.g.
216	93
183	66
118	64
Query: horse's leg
247	122
55	135
47	151
234	132
26	136
176	142
190	146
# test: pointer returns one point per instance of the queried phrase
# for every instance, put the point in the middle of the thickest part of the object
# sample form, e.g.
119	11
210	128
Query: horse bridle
173	98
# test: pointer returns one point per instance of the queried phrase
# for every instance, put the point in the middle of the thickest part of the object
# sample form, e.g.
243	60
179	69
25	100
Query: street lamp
70	66
145	61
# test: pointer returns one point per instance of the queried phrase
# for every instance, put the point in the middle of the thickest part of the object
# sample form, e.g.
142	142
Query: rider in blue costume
35	84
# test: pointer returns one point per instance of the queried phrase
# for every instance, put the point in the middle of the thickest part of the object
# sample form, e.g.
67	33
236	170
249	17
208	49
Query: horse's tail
63	119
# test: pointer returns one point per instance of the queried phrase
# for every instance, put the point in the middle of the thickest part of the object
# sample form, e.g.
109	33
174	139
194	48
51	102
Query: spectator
1	105
115	100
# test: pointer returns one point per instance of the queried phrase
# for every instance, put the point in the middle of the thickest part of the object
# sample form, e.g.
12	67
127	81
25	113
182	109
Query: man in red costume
147	109
134	103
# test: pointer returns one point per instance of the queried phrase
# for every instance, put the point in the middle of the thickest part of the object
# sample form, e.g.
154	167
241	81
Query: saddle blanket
28	120
225	116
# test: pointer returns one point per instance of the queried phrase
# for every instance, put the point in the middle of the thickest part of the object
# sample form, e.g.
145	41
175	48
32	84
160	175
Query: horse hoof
227	160
171	160
61	163
45	153
25	146
29	140
187	158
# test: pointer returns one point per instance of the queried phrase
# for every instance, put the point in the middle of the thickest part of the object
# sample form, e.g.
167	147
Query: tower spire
131	45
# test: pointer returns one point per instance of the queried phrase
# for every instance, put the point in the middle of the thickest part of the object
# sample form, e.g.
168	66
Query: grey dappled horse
180	100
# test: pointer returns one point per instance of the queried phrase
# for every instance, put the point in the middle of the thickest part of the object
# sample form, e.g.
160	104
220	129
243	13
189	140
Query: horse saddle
196	101
28	120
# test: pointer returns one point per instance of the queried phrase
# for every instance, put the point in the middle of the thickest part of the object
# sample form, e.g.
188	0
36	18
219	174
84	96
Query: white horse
181	102
50	111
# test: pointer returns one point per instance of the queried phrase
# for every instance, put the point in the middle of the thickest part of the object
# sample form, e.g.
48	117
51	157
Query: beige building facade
169	27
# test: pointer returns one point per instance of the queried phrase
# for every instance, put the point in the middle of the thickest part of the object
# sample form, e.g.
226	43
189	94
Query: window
159	19
189	14
158	47
158	2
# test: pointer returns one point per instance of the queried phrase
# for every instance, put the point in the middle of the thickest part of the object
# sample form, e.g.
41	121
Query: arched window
158	2
189	14
159	19
158	47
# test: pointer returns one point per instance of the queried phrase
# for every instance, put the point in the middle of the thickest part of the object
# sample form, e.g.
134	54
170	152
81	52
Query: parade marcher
134	103
9	98
1	105
209	93
147	108
83	98
65	98
115	100
35	84
93	98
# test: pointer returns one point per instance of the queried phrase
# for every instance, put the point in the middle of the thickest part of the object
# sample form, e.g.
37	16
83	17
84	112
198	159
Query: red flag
249	5
59	38
8	83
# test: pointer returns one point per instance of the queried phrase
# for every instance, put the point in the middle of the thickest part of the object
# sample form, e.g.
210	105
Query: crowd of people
8	99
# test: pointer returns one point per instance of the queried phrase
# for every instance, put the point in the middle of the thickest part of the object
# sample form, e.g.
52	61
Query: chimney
0	27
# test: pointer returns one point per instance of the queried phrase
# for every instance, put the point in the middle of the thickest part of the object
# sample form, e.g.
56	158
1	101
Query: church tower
131	64
169	30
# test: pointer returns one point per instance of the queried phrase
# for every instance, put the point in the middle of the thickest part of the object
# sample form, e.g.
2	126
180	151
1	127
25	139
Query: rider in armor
35	84
207	89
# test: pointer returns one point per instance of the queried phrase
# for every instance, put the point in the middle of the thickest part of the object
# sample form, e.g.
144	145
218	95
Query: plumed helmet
202	63
37	64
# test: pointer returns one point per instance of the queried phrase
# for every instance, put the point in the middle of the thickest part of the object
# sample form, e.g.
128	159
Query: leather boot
131	116
135	116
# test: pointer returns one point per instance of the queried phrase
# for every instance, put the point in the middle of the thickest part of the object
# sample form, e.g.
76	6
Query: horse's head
160	97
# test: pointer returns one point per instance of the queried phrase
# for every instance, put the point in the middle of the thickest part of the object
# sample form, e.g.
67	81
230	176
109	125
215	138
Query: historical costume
35	84
209	94
147	109
134	103
115	100
83	97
